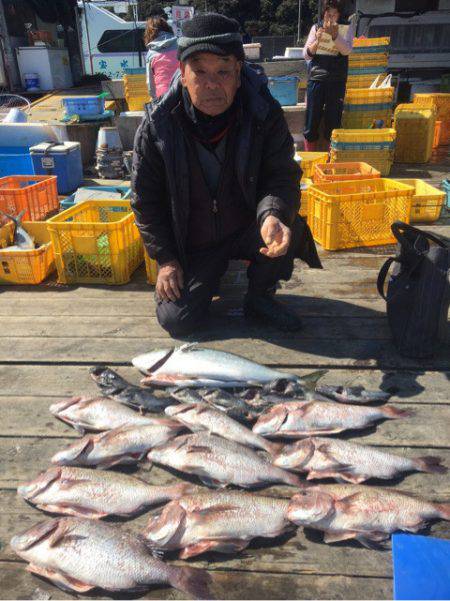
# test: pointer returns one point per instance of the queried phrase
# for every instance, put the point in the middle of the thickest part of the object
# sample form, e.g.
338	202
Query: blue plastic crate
68	202
284	89
446	188
83	105
134	71
380	106
15	160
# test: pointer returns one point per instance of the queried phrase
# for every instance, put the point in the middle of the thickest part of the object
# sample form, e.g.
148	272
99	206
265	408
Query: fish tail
430	464
195	583
444	510
17	219
295	480
309	382
395	413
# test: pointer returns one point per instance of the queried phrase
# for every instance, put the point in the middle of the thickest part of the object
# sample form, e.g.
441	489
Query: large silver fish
349	461
127	444
297	419
366	513
80	555
199	417
21	239
217	521
219	462
95	494
192	365
98	414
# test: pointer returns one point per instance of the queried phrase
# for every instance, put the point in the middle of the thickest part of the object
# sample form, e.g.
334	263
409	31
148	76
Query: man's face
212	81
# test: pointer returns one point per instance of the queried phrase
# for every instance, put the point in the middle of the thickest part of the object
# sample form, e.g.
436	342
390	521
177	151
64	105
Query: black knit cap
210	32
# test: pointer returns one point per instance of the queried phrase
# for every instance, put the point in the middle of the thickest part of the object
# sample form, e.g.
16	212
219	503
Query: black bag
418	292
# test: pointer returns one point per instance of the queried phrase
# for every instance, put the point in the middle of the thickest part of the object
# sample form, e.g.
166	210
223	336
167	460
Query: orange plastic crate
338	172
37	195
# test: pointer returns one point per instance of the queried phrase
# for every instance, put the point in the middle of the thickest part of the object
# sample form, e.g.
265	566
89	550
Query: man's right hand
170	281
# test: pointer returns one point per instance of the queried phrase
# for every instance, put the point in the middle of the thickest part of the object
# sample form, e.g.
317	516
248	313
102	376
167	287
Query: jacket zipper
215	210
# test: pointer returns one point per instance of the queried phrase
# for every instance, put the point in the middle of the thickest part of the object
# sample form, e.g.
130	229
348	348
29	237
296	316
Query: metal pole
88	38
299	20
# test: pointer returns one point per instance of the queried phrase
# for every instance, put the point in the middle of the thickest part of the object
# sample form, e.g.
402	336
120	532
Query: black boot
266	310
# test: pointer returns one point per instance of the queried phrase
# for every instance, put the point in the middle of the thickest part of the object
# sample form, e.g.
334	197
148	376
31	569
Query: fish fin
309	382
188	347
162	530
193	582
220	546
444	510
395	413
372	540
126	458
327	473
331	536
210	511
347	504
86	447
430	464
211	482
61	580
198	449
74	510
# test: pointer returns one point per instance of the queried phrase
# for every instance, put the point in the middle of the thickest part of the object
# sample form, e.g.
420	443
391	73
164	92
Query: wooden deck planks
50	335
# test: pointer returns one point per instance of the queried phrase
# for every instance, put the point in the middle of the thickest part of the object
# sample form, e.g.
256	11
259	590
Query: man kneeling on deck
214	179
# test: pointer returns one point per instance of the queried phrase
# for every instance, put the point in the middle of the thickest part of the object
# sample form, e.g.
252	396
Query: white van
109	43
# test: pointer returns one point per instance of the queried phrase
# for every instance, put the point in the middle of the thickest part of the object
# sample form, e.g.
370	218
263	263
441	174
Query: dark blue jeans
324	98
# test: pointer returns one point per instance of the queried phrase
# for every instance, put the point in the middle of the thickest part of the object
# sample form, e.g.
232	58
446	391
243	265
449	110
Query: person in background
161	60
327	75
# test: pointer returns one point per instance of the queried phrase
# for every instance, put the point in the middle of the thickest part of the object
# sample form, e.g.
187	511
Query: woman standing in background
161	59
327	74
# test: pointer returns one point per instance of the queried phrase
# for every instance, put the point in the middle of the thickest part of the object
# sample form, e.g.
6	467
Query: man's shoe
266	310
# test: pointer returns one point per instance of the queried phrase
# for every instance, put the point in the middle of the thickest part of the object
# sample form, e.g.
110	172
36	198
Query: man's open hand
276	236
170	281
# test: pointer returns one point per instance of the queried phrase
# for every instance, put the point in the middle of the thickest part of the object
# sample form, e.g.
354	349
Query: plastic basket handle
374	84
387	82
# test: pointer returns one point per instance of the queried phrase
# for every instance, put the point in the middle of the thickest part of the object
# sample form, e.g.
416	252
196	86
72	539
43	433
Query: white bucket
32	81
108	139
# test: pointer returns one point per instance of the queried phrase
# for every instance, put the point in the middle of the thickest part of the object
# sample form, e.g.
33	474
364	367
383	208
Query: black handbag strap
382	276
399	227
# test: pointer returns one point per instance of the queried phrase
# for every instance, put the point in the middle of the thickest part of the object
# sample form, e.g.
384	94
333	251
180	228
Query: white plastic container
108	139
293	52
252	51
52	66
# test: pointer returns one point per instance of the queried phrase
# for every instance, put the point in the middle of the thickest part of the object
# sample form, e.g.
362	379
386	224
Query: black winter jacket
265	168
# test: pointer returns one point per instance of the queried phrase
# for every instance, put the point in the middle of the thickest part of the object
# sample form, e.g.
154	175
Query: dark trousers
324	99
205	269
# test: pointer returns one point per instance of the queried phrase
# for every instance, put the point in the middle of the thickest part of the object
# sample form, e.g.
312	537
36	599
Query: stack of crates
441	103
365	107
368	59
373	146
136	89
415	133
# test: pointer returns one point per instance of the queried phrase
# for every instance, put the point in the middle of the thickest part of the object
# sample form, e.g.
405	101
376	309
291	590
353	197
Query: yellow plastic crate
374	59
304	185
427	200
96	242
415	128
137	103
340	172
367	42
151	268
357	213
368	96
362	81
440	101
364	136
26	266
365	119
379	159
307	161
